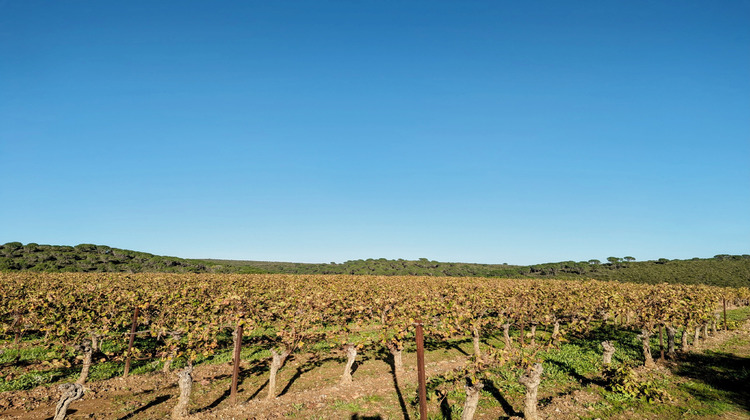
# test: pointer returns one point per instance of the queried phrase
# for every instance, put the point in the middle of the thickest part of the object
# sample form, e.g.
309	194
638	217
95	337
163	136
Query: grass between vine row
708	382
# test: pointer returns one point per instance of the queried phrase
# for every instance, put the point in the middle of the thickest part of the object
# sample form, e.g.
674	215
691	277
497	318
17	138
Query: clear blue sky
317	131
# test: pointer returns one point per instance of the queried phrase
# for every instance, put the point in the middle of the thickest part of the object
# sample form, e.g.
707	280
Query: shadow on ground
155	402
725	372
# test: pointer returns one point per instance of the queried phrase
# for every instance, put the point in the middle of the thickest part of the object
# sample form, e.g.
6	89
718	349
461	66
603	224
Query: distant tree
12	248
85	247
7	264
614	262
103	249
629	259
594	262
31	247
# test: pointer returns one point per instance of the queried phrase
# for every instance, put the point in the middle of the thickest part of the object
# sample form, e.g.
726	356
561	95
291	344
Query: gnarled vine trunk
473	392
475	341
70	393
96	342
671	333
185	381
645	337
697	335
398	364
684	339
167	364
506	335
351	355
16	329
88	352
277	361
716	322
556	333
531	381
609	350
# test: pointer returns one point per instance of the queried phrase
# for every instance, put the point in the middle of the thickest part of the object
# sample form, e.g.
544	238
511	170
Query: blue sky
475	131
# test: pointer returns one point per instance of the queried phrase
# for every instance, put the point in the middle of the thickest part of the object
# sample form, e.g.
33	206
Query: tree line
721	270
15	256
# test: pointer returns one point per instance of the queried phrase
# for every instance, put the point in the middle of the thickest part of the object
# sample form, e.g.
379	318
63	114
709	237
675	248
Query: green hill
15	256
721	270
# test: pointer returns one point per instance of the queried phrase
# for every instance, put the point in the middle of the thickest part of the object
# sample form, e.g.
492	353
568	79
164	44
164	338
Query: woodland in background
721	270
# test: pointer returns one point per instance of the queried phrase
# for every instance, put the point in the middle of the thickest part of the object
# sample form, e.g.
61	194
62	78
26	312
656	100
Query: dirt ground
308	388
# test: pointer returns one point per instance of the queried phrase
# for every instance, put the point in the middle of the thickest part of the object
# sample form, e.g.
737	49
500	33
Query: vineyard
173	322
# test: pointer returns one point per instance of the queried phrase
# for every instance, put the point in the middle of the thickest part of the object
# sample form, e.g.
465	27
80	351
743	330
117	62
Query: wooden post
130	342
236	362
421	373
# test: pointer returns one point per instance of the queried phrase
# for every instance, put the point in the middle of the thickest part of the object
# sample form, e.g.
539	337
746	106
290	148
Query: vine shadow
310	364
725	372
156	401
388	358
490	387
256	368
583	380
432	345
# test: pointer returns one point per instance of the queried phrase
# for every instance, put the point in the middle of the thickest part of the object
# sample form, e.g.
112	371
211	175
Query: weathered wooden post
130	342
236	362
421	372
